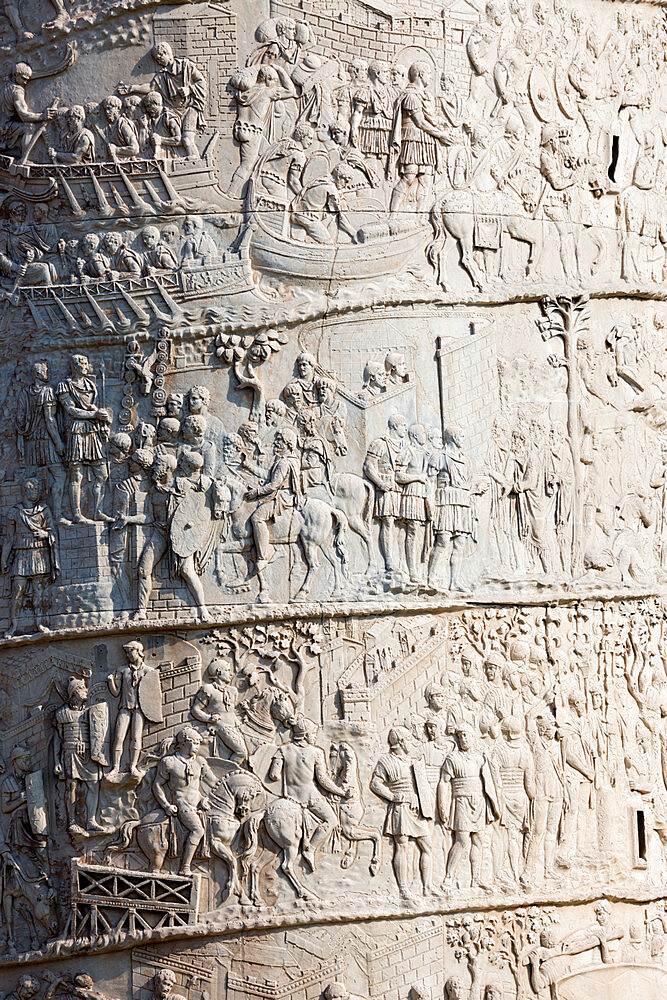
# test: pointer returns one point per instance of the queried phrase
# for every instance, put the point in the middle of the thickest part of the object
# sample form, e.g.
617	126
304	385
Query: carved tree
245	353
568	319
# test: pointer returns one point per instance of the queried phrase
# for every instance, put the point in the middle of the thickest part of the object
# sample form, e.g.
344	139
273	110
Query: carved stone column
333	500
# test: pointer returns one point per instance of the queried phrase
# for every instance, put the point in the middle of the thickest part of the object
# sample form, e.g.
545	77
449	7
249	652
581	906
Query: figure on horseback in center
302	768
280	492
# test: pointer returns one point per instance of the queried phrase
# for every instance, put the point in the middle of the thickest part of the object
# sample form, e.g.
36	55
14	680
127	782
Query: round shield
541	91
566	95
190	524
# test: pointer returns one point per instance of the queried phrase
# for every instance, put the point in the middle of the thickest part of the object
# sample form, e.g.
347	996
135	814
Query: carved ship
136	187
381	249
120	304
385	255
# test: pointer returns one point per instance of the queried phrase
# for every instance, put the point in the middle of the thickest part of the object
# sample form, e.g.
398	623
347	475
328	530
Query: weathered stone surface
332	500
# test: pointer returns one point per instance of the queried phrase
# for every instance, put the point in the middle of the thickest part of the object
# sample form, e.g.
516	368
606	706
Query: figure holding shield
192	530
80	735
137	686
23	802
184	509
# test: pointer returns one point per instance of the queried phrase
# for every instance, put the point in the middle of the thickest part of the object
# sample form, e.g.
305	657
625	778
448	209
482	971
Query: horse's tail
437	245
600	247
249	840
124	837
367	505
340	534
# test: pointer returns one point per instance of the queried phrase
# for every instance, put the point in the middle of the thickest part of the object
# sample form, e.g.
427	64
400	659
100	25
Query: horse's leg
31	923
519	232
334	561
357	525
290	857
9	909
153	843
351	851
356	833
464	237
309	549
219	847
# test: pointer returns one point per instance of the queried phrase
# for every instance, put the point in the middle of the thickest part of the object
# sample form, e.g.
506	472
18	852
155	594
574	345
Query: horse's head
282	707
248	792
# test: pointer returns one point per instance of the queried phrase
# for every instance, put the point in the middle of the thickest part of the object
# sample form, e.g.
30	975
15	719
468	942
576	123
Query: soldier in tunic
120	133
402	783
156	544
86	431
437	747
78	142
22	250
372	115
473	805
17	121
168	495
30	555
414	140
120	259
127	493
547	802
163	128
183	88
579	771
156	255
513	766
137	686
412	475
380	466
215	705
21	835
80	731
255	94
199	249
455	522
181	780
38	438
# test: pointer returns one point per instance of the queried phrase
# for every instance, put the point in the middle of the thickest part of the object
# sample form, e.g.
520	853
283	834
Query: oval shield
98	722
150	695
190	524
541	91
566	95
35	801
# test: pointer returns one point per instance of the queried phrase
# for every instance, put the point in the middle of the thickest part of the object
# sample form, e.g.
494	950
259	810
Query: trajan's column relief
333	500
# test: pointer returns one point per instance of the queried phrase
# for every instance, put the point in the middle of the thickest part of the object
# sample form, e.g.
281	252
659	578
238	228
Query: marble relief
333	491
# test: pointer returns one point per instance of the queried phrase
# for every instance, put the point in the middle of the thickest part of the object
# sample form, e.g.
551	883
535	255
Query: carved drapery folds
333	539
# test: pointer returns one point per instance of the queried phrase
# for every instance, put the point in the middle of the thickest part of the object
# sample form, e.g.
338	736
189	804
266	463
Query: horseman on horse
281	491
312	521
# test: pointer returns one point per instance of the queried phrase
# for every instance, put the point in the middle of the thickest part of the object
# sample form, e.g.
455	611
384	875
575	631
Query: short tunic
386	451
375	126
76	764
510	764
38	447
32	556
418	148
404	819
84	436
469	810
454	514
